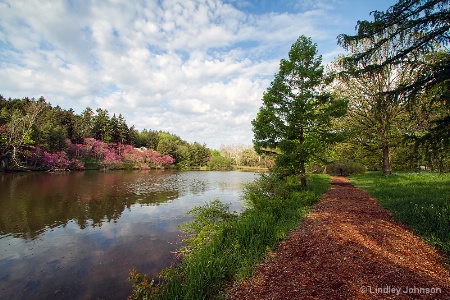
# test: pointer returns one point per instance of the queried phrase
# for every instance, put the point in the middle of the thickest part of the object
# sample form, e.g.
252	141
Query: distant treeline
35	135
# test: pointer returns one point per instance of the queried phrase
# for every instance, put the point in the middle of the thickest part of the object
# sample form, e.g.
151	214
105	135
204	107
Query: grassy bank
225	246
419	200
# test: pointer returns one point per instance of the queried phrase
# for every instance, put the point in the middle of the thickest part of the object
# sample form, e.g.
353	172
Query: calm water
76	235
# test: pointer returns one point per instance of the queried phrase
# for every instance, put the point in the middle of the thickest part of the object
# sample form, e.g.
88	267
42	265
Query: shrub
348	167
208	219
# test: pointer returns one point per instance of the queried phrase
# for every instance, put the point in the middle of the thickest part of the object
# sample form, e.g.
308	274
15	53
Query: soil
349	247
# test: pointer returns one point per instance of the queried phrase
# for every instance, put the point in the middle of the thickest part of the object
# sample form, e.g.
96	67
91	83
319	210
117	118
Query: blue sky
195	68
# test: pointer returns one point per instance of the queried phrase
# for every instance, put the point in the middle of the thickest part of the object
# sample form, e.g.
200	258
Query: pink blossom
56	160
76	164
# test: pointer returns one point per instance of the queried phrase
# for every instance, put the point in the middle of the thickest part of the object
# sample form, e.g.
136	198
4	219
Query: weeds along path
349	247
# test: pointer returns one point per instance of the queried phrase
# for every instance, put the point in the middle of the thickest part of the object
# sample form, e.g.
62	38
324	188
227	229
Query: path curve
349	247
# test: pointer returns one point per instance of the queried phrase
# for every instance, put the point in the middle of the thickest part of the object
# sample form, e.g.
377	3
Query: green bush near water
225	246
418	200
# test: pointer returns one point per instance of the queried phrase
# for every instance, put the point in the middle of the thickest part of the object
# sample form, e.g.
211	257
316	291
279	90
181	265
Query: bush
208	219
348	167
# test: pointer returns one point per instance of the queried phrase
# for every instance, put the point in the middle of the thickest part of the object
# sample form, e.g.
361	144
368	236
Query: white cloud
196	68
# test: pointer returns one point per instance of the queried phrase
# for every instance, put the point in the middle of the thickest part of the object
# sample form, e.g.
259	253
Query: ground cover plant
419	200
224	246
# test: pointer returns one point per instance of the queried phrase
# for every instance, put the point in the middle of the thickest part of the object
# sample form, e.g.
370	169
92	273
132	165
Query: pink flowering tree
56	160
133	157
36	156
88	147
107	156
75	150
75	164
166	160
158	160
111	160
100	149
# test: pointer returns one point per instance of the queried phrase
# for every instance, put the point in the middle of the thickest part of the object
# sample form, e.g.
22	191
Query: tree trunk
3	163
387	168
302	162
302	174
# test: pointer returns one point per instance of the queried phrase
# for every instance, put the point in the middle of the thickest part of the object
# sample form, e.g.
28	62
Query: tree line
385	103
36	135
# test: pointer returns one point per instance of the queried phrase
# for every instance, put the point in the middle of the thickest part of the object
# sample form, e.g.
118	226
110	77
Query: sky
194	68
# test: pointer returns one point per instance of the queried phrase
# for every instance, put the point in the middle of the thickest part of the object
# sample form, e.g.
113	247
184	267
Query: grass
224	246
418	200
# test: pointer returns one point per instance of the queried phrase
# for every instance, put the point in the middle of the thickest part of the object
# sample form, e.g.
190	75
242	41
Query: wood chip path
349	247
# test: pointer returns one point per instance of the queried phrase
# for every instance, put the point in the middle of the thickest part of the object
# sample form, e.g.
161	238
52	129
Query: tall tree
377	117
149	139
124	131
297	110
86	123
199	154
168	145
417	28
16	134
101	130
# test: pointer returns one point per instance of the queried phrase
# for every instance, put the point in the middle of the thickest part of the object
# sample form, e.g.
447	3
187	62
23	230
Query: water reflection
76	235
35	202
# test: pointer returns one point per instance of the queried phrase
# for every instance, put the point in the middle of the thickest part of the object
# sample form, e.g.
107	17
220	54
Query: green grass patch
418	200
225	246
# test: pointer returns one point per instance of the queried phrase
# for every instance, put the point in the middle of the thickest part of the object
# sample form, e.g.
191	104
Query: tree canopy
297	110
415	27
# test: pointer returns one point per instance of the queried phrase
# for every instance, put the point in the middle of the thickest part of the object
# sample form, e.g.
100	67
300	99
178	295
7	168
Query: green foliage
183	156
199	154
419	26
168	144
220	163
297	110
315	168
143	289
18	132
227	246
149	139
348	167
419	200
208	219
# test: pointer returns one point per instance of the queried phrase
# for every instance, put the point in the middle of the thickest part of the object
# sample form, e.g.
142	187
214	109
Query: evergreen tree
297	111
416	27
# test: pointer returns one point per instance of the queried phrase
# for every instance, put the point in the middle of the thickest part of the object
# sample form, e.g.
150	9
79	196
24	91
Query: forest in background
34	135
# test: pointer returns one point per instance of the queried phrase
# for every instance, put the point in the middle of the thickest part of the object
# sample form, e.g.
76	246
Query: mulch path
349	247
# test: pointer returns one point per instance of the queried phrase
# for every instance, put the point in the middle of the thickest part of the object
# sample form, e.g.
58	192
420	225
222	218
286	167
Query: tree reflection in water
76	235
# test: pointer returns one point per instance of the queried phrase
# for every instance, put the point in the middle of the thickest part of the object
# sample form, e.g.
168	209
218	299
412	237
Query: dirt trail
349	247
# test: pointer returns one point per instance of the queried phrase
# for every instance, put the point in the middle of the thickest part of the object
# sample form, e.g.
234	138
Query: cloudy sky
195	68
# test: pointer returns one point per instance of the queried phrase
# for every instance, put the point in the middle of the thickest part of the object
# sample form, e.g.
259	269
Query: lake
76	235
